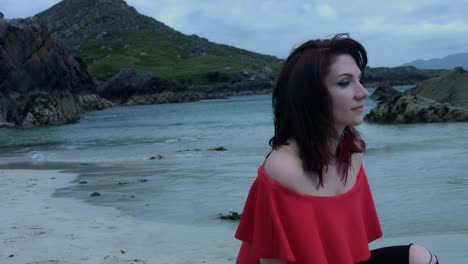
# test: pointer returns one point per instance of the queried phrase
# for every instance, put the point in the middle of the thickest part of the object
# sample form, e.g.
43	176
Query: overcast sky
394	32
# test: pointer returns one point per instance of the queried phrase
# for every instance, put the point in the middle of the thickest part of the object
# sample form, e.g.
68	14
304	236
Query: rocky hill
449	88
110	35
42	82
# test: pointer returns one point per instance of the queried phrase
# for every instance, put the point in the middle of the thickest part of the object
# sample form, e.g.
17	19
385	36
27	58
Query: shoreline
39	227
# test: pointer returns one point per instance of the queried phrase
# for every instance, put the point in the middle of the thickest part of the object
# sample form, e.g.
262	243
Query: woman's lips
358	108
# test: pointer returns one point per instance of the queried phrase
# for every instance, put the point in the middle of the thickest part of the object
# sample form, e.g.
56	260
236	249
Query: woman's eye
343	83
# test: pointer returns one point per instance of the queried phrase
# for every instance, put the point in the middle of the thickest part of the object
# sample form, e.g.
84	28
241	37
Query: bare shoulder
284	167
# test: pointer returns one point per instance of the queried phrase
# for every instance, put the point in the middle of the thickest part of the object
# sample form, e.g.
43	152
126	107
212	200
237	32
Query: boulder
385	92
230	216
409	109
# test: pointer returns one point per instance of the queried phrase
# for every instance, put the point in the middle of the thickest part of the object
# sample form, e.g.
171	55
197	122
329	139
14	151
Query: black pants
387	255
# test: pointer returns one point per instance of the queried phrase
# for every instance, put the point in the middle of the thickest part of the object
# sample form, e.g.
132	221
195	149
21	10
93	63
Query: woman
311	202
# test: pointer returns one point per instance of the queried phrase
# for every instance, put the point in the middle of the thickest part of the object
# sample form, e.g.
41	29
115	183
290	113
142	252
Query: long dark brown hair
302	106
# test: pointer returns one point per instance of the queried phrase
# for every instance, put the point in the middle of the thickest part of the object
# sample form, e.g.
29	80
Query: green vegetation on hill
109	36
166	59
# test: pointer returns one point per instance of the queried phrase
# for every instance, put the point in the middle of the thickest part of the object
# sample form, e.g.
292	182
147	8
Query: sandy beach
38	228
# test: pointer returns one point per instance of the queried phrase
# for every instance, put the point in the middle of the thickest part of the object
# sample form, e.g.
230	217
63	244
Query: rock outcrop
409	109
41	82
450	88
385	92
129	88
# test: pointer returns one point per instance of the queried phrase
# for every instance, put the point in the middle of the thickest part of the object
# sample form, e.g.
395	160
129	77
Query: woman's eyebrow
349	75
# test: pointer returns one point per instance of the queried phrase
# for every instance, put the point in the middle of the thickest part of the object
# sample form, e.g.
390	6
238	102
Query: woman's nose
361	92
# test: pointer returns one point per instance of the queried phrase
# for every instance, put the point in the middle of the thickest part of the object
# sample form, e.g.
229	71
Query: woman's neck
335	139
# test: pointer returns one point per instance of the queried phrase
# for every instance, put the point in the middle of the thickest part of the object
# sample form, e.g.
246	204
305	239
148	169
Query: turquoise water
418	173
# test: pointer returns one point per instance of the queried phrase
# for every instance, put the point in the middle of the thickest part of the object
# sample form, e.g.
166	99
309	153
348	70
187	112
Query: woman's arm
271	261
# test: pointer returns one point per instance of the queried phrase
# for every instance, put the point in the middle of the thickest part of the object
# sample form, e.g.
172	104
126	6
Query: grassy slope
150	53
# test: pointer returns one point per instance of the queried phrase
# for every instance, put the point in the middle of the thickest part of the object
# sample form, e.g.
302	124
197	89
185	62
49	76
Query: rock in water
230	216
385	92
409	109
220	148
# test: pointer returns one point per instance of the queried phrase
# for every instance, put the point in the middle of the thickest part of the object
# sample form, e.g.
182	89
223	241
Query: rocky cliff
41	82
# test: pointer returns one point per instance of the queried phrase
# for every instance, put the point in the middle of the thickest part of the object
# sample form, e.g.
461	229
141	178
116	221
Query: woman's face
346	91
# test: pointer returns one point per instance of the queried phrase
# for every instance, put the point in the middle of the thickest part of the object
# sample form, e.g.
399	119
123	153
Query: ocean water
154	162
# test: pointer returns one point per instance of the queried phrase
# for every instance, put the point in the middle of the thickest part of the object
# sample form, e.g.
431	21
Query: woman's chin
357	122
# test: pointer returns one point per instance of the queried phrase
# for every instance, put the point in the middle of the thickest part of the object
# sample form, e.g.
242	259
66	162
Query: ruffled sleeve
261	226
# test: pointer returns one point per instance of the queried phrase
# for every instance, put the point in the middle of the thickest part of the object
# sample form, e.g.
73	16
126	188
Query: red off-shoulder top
280	223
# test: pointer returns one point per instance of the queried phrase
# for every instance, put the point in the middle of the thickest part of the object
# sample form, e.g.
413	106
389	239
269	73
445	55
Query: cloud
380	25
326	11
